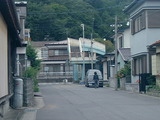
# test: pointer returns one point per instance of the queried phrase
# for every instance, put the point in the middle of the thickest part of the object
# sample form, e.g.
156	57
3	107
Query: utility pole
92	53
83	55
115	43
92	45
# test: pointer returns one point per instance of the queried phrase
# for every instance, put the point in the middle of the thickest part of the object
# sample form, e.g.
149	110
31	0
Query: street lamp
83	55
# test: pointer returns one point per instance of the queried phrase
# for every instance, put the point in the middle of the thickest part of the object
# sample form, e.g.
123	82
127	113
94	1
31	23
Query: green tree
32	71
32	55
108	44
58	19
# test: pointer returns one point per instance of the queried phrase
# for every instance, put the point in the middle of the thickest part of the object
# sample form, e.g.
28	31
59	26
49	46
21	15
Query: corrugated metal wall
3	58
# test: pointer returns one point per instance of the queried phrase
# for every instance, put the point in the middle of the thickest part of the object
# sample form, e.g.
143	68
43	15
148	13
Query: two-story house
123	56
123	48
144	20
55	65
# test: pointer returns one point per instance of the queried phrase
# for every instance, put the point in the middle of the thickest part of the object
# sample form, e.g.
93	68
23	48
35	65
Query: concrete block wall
28	94
133	87
158	80
122	83
4	107
112	82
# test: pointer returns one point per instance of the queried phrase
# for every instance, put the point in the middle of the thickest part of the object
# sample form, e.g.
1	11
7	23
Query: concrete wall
28	96
133	87
112	82
122	83
104	70
4	108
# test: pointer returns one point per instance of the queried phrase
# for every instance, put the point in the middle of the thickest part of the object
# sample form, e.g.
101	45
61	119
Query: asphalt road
76	102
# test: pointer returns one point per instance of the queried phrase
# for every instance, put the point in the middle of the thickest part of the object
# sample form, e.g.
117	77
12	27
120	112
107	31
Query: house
145	29
10	40
108	61
123	56
88	52
123	48
41	49
21	51
55	65
155	48
64	59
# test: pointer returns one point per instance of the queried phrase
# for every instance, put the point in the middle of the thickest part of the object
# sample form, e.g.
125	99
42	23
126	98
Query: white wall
21	50
139	42
120	59
142	39
127	38
153	35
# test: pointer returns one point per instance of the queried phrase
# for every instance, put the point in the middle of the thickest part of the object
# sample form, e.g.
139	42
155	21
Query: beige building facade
3	57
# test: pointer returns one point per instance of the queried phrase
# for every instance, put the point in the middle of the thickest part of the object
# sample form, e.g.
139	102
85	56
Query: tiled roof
40	43
58	42
62	42
155	43
125	53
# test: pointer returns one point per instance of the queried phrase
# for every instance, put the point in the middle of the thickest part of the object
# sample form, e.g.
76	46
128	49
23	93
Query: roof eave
10	15
133	5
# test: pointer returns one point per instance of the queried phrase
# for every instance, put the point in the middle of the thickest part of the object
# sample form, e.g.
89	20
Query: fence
52	75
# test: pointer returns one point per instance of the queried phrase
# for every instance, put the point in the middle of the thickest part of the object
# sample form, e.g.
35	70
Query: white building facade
145	29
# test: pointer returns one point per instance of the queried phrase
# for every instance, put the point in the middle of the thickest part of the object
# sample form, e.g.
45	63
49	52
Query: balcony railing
52	75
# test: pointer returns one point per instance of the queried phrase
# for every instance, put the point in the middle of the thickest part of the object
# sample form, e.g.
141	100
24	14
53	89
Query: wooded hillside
58	19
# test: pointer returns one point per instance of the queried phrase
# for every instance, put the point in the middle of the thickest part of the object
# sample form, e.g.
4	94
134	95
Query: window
139	65
153	18
75	51
44	53
57	52
121	42
138	23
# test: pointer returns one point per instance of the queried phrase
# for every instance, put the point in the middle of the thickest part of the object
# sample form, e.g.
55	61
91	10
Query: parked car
89	78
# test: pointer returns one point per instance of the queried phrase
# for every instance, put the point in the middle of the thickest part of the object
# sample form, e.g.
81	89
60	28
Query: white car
89	78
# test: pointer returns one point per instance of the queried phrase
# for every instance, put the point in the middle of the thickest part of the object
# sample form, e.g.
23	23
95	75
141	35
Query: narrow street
76	102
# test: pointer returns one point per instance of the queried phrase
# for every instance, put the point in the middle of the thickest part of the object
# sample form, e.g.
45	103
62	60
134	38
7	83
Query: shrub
32	73
126	71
